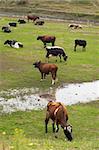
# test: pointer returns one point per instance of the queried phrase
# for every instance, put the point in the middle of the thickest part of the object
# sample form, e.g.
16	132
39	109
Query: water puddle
21	100
78	93
27	99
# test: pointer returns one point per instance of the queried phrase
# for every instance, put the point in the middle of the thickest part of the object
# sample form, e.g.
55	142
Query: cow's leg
53	43
56	58
75	47
84	47
53	77
42	76
47	56
60	58
46	121
44	44
57	129
53	126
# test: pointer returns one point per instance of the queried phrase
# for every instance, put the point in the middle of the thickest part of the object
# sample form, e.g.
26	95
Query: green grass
83	117
16	69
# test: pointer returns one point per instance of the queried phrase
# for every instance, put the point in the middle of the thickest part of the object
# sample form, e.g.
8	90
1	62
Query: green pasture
16	69
25	130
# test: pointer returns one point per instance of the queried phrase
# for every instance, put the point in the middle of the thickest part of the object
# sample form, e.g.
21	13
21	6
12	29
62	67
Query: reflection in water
80	92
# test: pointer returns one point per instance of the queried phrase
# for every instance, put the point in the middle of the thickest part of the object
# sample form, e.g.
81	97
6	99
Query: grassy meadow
25	130
16	64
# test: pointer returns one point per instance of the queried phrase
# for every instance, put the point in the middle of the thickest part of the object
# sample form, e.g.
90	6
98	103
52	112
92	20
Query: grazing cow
21	21
13	43
45	69
56	51
40	23
13	24
57	112
6	29
75	26
47	39
33	18
82	43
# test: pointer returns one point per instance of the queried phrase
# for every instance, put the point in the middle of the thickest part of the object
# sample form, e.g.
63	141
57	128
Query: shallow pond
29	98
79	92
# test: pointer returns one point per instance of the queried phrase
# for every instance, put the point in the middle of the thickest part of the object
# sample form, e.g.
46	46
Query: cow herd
44	68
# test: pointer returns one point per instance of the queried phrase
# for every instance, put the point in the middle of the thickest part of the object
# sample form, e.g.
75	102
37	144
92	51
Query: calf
45	69
56	51
57	112
13	24
82	43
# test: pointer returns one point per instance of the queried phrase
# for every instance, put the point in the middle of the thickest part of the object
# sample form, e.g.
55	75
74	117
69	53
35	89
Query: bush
22	2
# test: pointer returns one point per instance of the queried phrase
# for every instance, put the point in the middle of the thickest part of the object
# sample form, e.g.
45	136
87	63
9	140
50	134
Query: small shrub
22	2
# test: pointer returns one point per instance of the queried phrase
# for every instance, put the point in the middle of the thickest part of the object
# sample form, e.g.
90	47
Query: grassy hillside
63	9
25	130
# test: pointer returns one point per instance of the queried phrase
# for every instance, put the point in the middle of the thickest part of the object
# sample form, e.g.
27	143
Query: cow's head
37	64
38	38
7	42
65	58
68	132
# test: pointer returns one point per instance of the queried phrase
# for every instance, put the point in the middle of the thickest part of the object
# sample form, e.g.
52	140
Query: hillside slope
62	9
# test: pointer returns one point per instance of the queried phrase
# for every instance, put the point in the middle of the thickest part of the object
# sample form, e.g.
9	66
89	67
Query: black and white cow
56	51
13	43
75	26
82	43
6	29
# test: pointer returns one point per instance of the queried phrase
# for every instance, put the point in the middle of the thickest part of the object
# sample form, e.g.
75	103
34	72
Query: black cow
56	51
13	24
6	29
40	23
21	21
82	43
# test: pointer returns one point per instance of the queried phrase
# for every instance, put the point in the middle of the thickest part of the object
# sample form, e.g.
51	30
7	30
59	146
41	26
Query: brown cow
45	69
30	17
47	39
57	112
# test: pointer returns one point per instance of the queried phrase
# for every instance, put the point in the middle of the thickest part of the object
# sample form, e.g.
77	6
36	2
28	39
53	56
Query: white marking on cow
53	81
64	128
53	47
69	128
16	45
50	55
